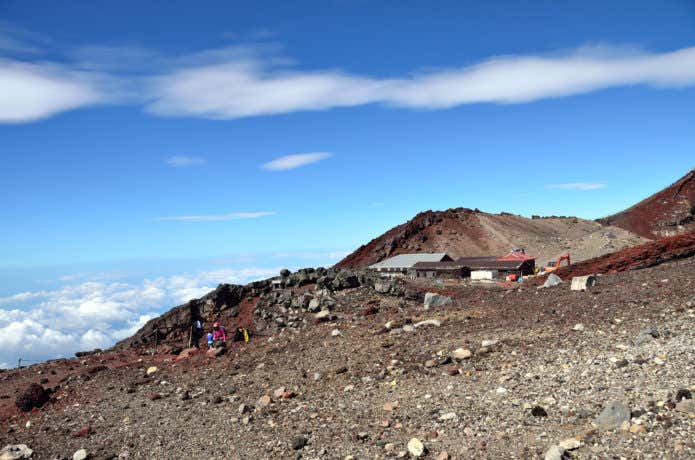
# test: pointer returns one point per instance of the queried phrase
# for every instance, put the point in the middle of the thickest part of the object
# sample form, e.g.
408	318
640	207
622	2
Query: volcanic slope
465	232
668	212
493	374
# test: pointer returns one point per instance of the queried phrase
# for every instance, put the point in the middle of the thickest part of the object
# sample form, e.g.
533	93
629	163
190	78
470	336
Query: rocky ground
494	373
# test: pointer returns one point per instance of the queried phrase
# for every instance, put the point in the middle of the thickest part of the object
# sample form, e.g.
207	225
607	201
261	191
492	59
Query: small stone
243	409
579	327
538	411
636	429
682	394
390	407
489	343
362	436
501	391
416	448
430	363
264	401
80	455
152	370
299	442
453	370
613	416
433	299
448	416
571	444
443	456
461	353
279	392
687	406
335	333
554	453
646	335
621	363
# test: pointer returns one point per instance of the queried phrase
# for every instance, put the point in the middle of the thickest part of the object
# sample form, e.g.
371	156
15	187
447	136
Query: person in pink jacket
219	336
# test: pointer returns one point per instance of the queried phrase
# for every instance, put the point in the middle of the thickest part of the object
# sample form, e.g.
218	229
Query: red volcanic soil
668	212
638	257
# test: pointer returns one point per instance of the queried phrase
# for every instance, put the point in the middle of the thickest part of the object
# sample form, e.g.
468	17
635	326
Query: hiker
219	336
196	333
242	334
210	341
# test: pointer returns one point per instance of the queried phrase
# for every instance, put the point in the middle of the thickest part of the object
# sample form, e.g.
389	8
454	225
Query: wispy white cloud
29	92
244	81
216	217
578	186
181	161
252	87
295	161
54	323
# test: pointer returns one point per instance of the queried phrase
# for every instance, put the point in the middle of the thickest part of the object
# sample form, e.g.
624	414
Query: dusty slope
484	411
668	212
466	232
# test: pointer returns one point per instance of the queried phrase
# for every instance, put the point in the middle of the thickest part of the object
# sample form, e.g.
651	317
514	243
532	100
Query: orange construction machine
554	265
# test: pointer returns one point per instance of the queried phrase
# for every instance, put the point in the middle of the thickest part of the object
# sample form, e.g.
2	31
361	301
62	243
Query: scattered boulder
582	283
552	280
433	299
33	396
152	370
416	448
322	316
461	353
81	454
613	416
15	452
555	453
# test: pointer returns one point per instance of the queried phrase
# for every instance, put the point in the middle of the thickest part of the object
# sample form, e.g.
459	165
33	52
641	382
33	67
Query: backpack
242	334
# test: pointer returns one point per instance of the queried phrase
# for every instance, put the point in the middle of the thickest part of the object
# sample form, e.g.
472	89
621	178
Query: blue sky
145	141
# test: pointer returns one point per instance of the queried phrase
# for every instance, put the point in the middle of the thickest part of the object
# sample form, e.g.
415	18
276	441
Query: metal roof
408	260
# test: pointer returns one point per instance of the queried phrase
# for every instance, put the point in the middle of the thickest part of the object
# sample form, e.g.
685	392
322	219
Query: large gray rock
646	335
612	416
382	287
436	300
552	280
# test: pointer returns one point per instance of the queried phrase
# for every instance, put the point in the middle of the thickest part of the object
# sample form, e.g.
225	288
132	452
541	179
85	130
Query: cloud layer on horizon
236	82
94	314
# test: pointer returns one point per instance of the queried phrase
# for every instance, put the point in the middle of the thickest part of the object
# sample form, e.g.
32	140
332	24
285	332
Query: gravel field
501	373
